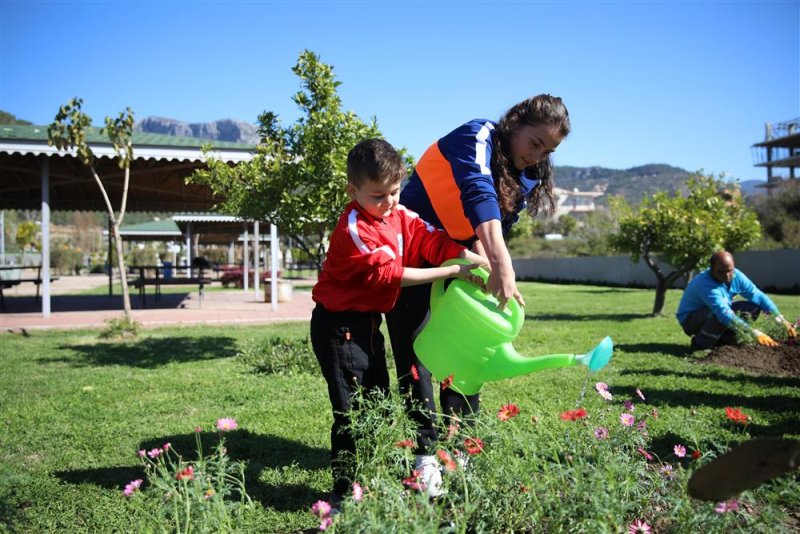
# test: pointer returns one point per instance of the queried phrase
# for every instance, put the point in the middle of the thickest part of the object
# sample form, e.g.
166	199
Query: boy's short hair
374	160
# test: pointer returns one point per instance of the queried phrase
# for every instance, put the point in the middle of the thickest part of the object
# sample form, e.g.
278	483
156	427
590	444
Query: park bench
142	281
8	283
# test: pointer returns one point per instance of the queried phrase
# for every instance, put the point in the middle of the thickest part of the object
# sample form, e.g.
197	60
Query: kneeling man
707	311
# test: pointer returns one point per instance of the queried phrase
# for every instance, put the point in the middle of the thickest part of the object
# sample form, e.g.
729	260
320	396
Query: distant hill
634	184
222	130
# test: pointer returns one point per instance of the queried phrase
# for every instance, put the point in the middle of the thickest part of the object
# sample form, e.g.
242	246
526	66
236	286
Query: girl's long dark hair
540	109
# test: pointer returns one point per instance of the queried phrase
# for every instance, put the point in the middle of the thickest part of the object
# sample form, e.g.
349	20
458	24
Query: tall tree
297	178
68	131
684	230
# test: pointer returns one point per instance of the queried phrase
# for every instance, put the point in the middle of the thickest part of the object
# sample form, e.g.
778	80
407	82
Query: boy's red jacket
366	258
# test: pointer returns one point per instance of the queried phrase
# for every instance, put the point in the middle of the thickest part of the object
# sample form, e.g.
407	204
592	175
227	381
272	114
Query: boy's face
378	199
531	144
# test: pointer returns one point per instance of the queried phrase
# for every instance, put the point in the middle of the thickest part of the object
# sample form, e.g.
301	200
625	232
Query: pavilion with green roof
37	176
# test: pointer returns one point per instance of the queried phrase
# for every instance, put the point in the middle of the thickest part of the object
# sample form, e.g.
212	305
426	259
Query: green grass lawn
75	409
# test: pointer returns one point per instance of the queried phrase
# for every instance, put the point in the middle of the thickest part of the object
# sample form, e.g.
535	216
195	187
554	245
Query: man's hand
790	330
763	339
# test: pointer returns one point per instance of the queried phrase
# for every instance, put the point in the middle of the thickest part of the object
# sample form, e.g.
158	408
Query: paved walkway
23	312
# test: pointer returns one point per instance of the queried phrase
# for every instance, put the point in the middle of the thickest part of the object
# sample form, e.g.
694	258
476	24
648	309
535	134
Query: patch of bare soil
781	360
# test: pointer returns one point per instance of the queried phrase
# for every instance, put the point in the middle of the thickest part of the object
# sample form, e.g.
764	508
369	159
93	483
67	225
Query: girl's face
531	144
378	199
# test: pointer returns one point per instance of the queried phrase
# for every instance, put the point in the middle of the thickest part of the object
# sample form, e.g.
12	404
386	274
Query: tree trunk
661	295
123	277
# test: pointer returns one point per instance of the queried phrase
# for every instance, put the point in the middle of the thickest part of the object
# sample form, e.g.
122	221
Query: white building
570	202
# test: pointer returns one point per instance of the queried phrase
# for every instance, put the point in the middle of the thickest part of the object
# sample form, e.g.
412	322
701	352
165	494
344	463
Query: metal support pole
45	272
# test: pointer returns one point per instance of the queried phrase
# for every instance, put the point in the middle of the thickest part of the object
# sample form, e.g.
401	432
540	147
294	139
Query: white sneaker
430	474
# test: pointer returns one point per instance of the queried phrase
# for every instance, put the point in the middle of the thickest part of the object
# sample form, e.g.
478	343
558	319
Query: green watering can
469	337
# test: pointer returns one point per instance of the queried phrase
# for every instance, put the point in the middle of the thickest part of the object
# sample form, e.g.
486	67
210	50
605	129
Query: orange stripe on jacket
437	178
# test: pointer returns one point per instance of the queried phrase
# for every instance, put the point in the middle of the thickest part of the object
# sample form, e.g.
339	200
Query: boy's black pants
404	319
350	349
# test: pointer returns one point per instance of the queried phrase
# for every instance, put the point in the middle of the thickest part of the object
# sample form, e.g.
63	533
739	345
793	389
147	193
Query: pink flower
325	522
727	506
639	392
666	470
626	419
154	453
414	372
680	450
639	525
601	433
141	453
642	426
358	492
628	405
602	389
226	423
132	486
654	414
198	429
507	411
647	455
167	446
452	430
321	508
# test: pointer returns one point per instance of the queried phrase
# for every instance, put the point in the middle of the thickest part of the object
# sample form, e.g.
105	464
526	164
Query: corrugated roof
93	136
161	228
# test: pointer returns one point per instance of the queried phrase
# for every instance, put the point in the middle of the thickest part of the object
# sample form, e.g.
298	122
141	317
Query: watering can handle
437	289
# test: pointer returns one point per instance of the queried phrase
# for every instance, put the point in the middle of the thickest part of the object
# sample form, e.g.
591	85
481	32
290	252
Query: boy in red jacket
376	248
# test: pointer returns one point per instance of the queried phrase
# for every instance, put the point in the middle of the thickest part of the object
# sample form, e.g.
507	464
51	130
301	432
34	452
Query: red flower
187	474
736	415
696	454
447	382
574	415
414	372
413	481
473	445
507	411
446	460
406	443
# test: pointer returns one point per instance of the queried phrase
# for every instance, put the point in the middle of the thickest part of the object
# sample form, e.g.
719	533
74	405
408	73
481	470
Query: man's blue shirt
705	292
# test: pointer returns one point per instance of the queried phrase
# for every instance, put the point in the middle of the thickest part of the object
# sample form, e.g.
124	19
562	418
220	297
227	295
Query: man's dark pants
707	331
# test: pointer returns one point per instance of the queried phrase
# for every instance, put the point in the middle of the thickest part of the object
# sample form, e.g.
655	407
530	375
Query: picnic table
9	279
142	281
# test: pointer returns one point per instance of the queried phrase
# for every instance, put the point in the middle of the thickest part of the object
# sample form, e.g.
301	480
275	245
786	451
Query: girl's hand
503	285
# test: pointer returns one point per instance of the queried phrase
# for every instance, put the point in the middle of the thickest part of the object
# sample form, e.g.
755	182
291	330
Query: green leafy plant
124	327
279	355
204	495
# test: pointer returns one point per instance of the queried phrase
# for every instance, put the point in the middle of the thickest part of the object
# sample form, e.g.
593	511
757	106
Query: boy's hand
465	274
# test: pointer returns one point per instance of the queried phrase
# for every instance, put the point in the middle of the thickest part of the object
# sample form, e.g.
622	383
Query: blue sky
690	84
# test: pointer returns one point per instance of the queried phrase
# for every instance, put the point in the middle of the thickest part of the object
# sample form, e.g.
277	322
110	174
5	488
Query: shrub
278	355
120	328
